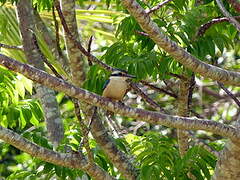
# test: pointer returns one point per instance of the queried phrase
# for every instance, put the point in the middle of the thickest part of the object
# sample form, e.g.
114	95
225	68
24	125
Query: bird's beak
130	76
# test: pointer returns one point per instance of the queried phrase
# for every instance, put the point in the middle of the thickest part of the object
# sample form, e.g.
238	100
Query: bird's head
121	74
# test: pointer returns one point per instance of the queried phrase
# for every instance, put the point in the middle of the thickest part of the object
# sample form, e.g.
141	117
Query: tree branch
233	21
77	43
11	47
76	161
148	116
178	53
161	90
155	8
229	93
151	102
203	28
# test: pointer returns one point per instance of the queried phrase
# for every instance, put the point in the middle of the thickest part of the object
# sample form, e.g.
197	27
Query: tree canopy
179	120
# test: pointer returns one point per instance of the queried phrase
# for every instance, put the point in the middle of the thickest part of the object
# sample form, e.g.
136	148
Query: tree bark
148	116
46	96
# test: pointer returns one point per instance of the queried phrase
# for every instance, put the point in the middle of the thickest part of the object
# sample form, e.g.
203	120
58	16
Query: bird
117	86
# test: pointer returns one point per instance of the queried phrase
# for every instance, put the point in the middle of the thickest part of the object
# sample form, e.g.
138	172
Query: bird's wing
105	84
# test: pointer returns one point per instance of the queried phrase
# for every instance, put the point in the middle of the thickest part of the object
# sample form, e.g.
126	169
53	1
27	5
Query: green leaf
34	120
27	84
20	88
22	121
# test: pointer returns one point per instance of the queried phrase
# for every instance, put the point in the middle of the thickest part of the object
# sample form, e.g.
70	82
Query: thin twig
232	20
207	147
229	93
84	130
76	42
34	38
152	103
161	90
203	28
191	88
11	47
178	76
155	8
89	49
56	31
142	33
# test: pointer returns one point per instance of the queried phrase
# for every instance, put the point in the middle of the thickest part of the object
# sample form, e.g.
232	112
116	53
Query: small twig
191	88
228	15
142	33
196	114
34	38
89	49
152	103
84	130
203	28
56	31
76	42
81	48
178	76
155	8
207	147
11	47
161	90
229	93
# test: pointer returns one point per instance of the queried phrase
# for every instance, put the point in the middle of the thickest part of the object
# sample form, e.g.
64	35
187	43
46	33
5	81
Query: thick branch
180	55
140	114
227	167
68	160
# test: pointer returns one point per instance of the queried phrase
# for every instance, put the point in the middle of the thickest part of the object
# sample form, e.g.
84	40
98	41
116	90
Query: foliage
15	109
120	42
159	158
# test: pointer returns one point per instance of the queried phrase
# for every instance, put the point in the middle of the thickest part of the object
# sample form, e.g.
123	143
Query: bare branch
151	102
142	33
11	47
43	57
177	52
206	26
89	49
56	31
76	161
77	43
228	15
161	90
207	147
148	116
229	93
84	130
155	8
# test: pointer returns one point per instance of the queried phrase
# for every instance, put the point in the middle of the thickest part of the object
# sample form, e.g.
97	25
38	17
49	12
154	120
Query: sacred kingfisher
116	86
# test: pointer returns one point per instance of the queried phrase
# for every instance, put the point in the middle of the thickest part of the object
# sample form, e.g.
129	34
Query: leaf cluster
158	158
